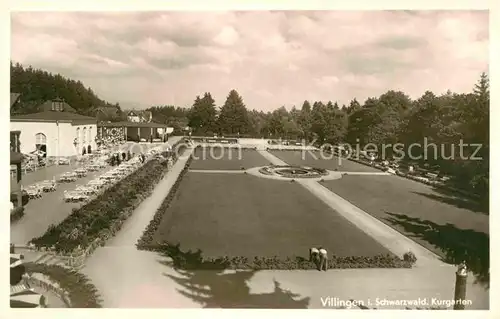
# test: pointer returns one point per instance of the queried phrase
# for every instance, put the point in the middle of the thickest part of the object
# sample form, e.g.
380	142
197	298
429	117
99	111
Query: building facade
55	133
15	167
140	116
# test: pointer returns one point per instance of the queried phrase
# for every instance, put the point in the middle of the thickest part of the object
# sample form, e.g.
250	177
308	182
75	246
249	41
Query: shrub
194	261
16	213
24	197
410	257
82	293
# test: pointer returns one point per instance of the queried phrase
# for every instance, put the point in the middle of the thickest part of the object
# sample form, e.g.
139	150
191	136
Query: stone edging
44	281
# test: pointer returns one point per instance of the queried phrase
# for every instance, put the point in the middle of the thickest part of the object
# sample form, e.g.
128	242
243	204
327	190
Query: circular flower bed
293	171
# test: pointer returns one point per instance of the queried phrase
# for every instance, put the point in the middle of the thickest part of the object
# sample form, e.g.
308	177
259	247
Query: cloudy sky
270	58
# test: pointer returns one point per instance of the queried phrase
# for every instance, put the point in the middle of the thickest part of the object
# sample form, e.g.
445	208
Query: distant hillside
37	86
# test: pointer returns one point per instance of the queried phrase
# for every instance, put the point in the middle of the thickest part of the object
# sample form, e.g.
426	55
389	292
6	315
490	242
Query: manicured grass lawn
226	159
243	215
450	226
314	159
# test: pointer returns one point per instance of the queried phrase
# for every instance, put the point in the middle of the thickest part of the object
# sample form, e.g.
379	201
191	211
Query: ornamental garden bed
81	292
193	260
101	218
242	216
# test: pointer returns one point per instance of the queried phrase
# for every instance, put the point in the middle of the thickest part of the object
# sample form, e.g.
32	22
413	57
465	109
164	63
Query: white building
56	131
139	116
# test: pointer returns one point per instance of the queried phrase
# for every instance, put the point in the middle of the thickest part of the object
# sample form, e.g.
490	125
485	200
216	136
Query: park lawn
217	158
450	226
314	159
244	215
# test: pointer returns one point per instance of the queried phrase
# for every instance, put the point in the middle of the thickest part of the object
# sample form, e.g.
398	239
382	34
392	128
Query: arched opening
84	136
84	150
41	144
77	139
89	149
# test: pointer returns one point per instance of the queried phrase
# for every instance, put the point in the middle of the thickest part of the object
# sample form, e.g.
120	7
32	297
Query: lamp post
460	286
57	143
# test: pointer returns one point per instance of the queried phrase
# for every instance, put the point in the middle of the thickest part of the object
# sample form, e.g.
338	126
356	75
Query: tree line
37	86
444	120
449	132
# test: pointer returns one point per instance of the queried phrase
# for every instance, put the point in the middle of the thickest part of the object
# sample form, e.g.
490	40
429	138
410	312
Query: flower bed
231	146
16	213
147	237
74	288
287	171
100	219
293	148
194	261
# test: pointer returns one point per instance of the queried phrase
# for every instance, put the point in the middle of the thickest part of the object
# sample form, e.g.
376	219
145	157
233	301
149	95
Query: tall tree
202	115
233	118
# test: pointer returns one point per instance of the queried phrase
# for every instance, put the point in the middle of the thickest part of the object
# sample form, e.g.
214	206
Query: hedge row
101	218
147	237
82	293
237	147
294	149
195	261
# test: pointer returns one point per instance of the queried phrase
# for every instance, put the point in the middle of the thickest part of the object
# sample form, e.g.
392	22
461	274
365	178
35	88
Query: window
41	138
41	144
84	137
57	105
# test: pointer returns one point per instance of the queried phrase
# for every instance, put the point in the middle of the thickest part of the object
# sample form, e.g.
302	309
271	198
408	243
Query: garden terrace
218	158
313	159
273	218
101	218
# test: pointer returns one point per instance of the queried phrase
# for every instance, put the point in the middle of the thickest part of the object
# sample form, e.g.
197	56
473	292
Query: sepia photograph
239	159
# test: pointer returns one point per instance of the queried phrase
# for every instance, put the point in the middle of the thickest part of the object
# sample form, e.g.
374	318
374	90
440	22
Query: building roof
47	106
15	158
52	116
14	97
107	110
132	124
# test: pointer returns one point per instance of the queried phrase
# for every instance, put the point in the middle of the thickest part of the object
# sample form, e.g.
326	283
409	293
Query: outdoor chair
48	185
34	191
64	161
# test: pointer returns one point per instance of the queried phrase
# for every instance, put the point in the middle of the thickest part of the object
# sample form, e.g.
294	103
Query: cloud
272	58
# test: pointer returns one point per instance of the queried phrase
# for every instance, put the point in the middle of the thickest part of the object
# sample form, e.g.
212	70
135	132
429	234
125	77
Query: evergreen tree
233	118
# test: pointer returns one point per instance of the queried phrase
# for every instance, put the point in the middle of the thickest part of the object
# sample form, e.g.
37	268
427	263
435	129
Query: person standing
323	259
314	256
